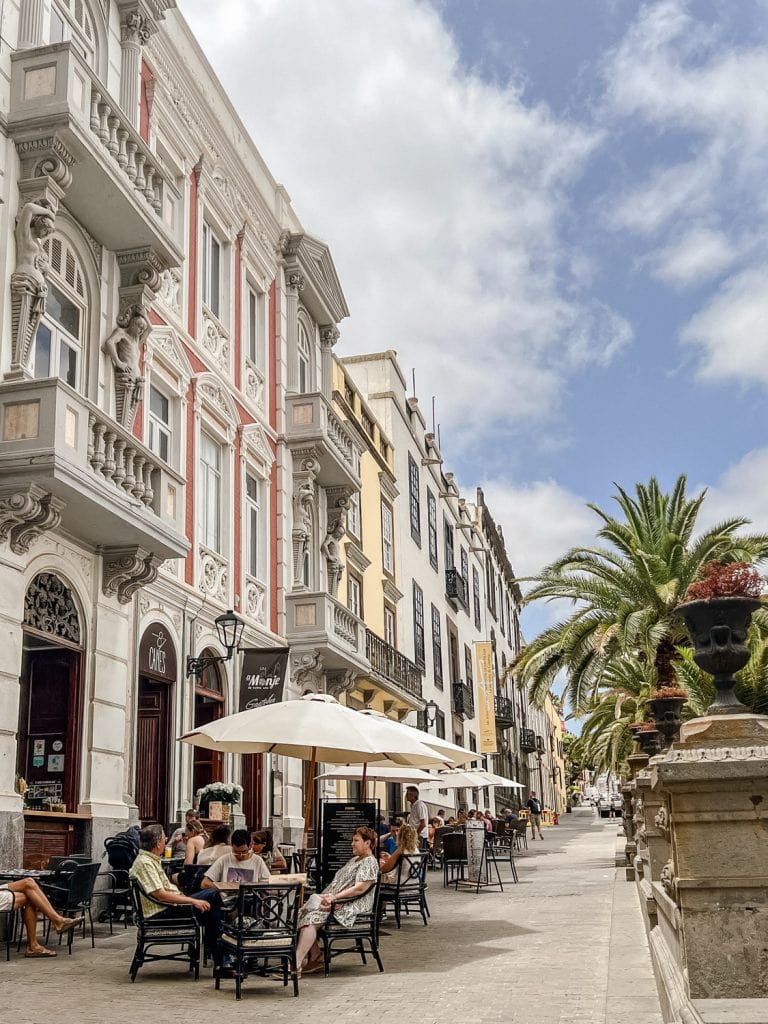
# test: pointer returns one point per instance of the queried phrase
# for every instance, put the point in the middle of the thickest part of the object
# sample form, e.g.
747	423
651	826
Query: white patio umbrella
471	778
380	773
451	754
315	727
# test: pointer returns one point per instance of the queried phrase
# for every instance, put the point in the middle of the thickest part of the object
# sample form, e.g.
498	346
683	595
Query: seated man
388	843
148	872
240	864
27	895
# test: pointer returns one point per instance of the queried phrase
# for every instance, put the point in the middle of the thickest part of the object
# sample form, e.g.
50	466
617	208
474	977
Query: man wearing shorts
534	806
27	895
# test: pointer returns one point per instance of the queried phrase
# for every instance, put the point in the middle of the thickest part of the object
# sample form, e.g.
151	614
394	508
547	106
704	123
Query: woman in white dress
354	882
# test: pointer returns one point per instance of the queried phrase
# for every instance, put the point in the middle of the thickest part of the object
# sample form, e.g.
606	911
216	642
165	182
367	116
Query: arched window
58	350
304	362
71	19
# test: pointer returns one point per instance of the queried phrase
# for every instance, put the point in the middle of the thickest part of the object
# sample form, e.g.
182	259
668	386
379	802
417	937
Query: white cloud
699	255
731	331
540	520
441	196
741	491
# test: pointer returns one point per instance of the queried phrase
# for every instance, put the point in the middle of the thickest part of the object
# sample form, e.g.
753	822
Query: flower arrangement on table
225	793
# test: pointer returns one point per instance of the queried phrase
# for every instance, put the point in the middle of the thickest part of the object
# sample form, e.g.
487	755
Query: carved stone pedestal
713	895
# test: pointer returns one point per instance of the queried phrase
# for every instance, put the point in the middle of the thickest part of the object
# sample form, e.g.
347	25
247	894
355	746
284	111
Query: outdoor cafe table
16	874
296	879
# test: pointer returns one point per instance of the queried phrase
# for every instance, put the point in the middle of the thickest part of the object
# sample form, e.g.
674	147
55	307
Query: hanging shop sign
262	677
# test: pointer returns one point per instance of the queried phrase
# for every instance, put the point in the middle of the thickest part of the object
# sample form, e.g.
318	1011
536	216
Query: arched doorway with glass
50	705
208	765
157	675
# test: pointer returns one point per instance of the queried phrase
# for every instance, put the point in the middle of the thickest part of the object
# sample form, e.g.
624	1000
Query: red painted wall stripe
272	412
147	80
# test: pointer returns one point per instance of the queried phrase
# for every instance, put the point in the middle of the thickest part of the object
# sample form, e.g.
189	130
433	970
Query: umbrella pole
309	802
364	781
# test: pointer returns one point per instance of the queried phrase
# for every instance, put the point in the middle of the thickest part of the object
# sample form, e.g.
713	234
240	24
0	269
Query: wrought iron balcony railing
505	712
463	700
527	740
391	665
456	589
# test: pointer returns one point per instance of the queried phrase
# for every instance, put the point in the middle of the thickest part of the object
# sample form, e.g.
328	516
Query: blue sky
555	210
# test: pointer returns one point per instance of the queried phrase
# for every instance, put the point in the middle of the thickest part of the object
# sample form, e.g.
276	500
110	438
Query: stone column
714	783
134	33
329	335
31	23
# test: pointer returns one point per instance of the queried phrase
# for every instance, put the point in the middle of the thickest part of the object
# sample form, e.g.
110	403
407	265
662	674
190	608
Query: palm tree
626	592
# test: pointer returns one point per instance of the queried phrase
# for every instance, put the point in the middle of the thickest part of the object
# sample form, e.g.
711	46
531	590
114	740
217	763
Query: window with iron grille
465	566
476	595
432	528
450	561
468	665
419	655
414	499
437	648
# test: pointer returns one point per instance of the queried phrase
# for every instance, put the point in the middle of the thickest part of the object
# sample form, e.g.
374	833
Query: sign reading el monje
486	690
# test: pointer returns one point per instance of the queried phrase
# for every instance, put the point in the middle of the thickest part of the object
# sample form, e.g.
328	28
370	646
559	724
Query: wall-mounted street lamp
431	709
229	629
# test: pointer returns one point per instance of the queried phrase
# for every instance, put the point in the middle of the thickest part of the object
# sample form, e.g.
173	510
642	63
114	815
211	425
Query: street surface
565	945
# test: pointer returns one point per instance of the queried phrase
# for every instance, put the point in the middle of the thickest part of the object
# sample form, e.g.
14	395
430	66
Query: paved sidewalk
565	945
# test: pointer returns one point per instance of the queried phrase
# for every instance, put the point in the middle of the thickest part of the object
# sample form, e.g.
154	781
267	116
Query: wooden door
208	765
253	791
49	733
153	740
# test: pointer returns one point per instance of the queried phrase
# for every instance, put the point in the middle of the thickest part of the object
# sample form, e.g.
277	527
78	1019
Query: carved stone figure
123	347
303	497
331	549
29	286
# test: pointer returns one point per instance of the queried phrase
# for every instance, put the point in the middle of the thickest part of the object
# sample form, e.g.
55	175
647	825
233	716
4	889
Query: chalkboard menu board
340	821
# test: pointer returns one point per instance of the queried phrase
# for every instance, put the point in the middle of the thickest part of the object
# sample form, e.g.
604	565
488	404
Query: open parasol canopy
451	755
376	773
472	778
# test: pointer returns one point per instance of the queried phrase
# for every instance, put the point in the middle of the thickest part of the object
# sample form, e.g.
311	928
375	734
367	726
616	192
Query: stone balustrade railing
114	454
126	147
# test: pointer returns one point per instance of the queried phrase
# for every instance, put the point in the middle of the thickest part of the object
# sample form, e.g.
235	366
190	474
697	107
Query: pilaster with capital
136	26
329	335
294	285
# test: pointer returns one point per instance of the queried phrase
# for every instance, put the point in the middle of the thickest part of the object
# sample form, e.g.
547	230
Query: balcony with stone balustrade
313	429
61	452
67	126
320	623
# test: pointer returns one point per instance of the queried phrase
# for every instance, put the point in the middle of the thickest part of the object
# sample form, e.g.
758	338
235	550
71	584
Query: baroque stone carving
169	290
307	672
50	608
127	570
135	28
756	752
329	335
215	341
255	594
668	880
337	683
123	347
29	285
214	575
25	514
331	550
661	820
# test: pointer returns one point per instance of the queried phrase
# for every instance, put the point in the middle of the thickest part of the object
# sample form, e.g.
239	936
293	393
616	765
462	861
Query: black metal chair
364	930
11	923
454	856
410	888
118	897
191	878
174	925
308	860
499	849
70	890
520	832
265	928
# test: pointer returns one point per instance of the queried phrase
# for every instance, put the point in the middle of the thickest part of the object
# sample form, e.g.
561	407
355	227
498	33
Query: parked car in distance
607	804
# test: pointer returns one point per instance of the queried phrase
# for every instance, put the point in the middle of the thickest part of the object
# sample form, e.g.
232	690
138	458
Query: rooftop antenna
439	445
413	379
433	415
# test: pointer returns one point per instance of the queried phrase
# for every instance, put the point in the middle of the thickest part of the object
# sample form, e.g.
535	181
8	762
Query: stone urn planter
648	740
718	628
667	712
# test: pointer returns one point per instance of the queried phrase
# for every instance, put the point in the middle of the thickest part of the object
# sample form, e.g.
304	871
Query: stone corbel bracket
307	671
340	682
127	570
25	514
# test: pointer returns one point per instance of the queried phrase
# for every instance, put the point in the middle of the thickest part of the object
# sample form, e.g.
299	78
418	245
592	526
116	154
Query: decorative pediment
255	444
165	343
311	259
211	392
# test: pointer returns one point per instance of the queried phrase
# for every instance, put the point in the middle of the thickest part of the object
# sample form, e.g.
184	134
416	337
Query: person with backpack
534	807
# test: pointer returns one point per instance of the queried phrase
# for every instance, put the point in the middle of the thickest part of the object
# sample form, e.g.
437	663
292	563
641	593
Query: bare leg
34	896
307	939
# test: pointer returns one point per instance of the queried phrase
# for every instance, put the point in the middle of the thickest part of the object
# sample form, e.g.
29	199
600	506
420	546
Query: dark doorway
152	750
253	790
208	765
49	724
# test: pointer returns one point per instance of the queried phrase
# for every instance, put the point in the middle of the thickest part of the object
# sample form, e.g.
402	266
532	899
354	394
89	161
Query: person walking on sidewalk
534	806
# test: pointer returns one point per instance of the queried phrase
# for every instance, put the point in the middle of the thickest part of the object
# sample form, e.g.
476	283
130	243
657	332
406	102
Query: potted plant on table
225	793
717	610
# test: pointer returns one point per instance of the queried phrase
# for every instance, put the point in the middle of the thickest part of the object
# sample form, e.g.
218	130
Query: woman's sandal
36	954
67	924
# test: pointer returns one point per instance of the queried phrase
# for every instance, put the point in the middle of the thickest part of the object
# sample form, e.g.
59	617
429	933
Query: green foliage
625	637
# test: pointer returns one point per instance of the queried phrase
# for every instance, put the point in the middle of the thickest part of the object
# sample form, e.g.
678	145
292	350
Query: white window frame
387	537
390	626
210	485
60	336
255	326
158	427
254	519
211	243
74	32
354	525
303	360
355	594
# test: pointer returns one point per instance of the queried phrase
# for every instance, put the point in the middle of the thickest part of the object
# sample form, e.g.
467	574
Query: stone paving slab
565	945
